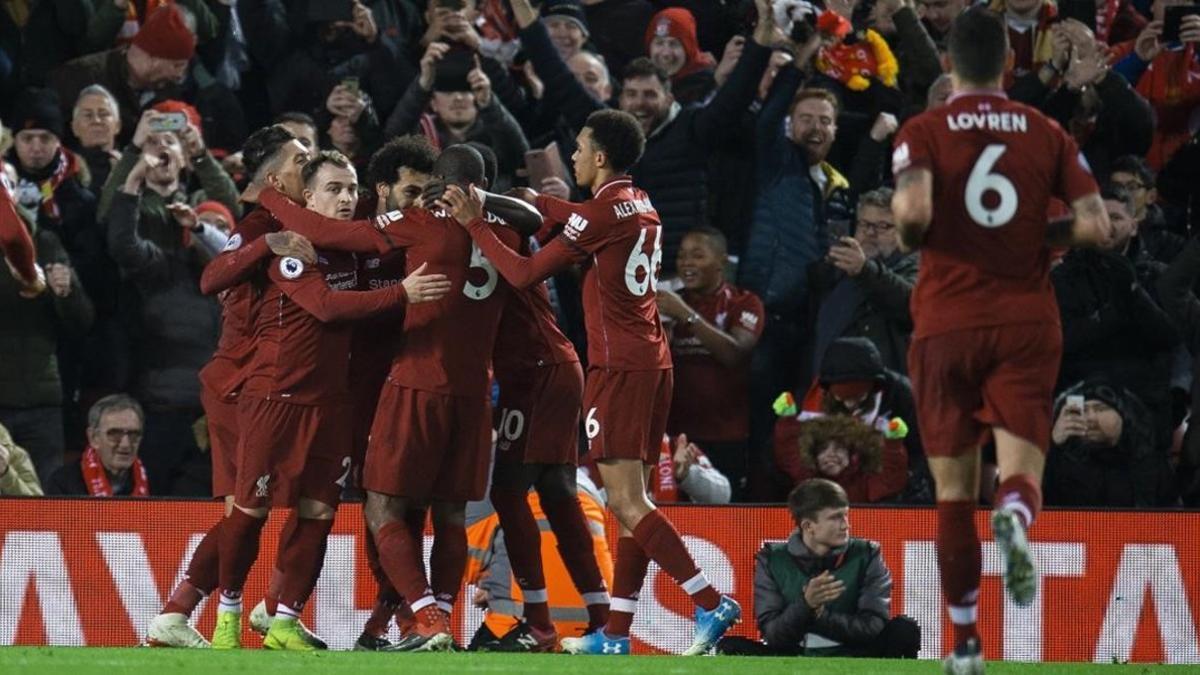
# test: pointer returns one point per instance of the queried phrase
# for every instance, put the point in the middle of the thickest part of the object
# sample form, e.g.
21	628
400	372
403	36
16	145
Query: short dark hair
715	235
644	67
322	158
1115	194
619	136
978	45
413	152
1134	165
114	403
261	149
813	496
491	164
295	117
460	165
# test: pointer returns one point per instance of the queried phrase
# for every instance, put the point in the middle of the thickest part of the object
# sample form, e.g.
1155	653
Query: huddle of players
297	383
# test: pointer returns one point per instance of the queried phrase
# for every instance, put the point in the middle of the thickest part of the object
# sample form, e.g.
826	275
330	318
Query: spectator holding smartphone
1165	70
1104	452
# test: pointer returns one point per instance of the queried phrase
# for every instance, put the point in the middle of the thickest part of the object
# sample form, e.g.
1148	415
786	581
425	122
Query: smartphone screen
1173	20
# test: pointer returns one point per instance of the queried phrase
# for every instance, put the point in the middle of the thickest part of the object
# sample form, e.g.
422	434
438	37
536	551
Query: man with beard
156	60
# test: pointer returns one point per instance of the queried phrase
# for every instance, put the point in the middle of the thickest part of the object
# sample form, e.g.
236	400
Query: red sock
239	539
202	576
415	520
275	584
303	556
658	538
959	563
386	593
448	563
575	545
1022	495
630	573
523	541
396	553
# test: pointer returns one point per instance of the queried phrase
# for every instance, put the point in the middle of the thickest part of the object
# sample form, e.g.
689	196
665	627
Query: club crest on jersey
291	267
261	488
576	224
382	221
901	158
234	243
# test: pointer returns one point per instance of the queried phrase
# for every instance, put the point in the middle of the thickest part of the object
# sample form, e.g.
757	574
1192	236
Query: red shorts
365	396
427	446
626	413
967	382
539	416
289	451
222	423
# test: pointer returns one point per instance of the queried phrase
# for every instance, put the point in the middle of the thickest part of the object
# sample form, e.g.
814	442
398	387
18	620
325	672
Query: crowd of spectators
769	126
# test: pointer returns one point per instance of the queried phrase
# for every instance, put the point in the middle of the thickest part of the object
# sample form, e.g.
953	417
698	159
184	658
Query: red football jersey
448	343
376	339
301	332
617	237
996	166
529	335
711	401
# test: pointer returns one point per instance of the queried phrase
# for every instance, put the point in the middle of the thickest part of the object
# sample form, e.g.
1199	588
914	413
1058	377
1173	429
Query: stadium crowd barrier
1116	585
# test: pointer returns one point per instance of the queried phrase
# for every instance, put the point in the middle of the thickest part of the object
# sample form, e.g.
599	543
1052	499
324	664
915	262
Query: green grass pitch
83	660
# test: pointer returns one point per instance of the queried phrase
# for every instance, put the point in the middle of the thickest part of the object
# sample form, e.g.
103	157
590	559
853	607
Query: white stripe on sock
422	602
535	595
623	605
695	584
286	613
230	604
596	598
963	614
445	606
1013	503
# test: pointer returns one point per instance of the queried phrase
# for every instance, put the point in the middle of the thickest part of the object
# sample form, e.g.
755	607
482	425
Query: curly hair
848	432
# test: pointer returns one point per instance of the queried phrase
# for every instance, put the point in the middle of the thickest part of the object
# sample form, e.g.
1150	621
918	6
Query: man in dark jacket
34	323
176	326
1112	327
155	63
674	168
863	286
823	592
1176	292
1104	451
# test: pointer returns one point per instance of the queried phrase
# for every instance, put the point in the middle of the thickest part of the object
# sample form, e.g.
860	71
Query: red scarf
96	477
66	166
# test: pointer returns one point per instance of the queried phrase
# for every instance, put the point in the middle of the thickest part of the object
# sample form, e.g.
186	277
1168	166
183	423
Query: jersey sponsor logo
291	267
576	224
632	207
749	319
234	243
382	221
373	263
1013	122
901	158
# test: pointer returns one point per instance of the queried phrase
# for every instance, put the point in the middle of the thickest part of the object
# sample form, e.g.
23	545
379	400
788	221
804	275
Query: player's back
997	166
620	277
529	336
448	342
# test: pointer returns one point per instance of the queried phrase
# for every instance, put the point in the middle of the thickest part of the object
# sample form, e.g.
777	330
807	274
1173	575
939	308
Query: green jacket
31	329
786	622
19	478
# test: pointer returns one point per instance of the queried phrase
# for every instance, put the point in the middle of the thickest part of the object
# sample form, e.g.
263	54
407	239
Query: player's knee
379	510
448	515
228	505
313	509
630	509
900	638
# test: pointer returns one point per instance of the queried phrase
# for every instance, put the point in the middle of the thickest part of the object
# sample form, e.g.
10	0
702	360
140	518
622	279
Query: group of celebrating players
299	407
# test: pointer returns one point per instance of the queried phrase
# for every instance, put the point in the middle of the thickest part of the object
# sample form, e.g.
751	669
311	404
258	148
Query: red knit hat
171	105
218	208
679	23
164	35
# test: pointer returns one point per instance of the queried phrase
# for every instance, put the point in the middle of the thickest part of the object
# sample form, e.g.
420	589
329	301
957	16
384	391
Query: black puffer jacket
1176	294
1133	473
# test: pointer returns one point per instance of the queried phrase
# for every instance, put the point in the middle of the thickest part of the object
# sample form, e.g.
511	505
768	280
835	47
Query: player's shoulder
744	297
259	222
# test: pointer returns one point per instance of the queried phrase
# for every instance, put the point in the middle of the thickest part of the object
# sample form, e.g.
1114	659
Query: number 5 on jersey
639	261
480	262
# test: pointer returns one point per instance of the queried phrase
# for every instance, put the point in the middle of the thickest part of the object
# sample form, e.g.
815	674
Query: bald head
460	165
